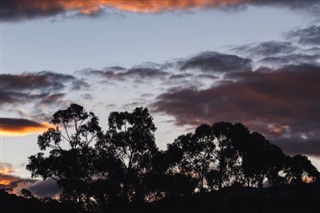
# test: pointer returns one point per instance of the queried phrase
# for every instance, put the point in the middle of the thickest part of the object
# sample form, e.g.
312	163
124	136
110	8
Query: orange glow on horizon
27	130
5	182
5	170
140	6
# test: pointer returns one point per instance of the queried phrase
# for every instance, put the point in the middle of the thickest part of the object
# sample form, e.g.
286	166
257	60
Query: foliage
122	166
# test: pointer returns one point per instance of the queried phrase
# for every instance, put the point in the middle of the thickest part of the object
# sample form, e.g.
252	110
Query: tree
197	154
26	193
261	160
228	162
130	138
71	158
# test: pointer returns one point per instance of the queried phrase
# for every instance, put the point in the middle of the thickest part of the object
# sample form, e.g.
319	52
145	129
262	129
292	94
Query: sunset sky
189	61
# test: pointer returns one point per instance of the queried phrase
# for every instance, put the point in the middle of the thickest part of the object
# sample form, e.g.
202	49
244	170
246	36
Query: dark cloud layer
216	62
26	87
16	126
306	36
46	188
16	10
138	73
283	102
269	48
291	59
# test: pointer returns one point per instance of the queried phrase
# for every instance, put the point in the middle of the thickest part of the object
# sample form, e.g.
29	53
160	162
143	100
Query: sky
189	61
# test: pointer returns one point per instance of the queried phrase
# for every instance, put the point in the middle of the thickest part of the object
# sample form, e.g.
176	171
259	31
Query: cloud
15	126
298	145
39	188
291	59
25	87
269	48
7	180
279	103
278	53
45	188
306	36
215	62
27	81
136	73
15	10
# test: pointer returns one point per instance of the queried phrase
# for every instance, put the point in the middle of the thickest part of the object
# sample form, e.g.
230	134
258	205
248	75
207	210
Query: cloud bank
15	10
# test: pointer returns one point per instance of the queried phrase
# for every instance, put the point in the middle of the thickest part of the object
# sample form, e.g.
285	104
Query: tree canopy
105	169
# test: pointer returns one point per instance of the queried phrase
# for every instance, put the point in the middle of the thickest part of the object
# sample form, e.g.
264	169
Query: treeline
11	203
100	170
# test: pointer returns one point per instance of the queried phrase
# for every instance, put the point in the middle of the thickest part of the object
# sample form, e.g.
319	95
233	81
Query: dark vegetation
218	168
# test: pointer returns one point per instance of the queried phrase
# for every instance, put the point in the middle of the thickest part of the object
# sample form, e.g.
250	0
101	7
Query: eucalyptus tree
130	138
197	154
228	163
68	154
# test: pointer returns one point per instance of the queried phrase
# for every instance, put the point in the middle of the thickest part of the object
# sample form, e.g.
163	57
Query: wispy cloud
21	88
306	36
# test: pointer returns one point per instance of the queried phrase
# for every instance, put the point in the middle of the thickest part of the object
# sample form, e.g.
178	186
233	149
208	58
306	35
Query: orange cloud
143	6
5	178
18	127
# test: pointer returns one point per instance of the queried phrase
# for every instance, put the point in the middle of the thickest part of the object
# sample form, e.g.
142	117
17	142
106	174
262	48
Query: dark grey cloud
269	48
278	103
298	145
144	73
136	73
16	10
18	123
45	188
20	126
306	36
79	84
309	6
35	86
39	80
52	99
215	62
291	59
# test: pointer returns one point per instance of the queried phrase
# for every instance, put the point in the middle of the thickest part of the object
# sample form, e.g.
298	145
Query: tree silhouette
261	160
121	167
228	159
71	158
198	154
26	193
130	138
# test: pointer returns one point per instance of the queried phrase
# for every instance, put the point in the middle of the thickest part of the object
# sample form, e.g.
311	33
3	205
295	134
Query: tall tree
131	138
198	154
228	164
70	155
